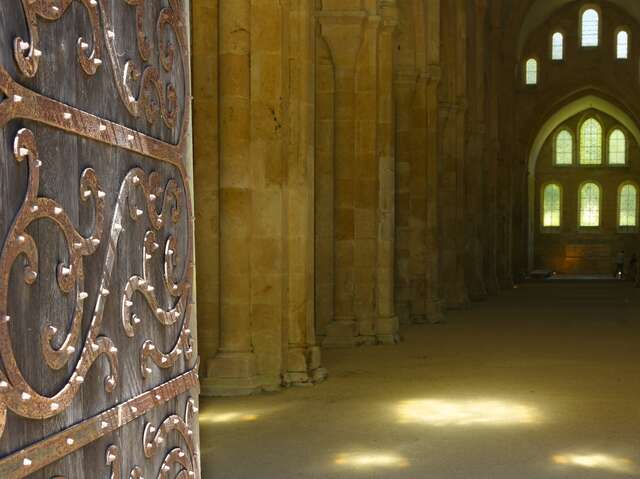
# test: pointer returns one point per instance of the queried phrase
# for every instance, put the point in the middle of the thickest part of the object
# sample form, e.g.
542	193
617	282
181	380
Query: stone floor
540	383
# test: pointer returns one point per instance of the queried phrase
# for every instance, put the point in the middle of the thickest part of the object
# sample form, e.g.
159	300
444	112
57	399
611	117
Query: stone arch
549	126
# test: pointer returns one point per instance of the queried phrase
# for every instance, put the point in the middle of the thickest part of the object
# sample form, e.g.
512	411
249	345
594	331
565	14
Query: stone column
343	33
476	212
492	151
476	133
418	169
233	370
366	180
418	195
386	326
324	186
405	83
303	358
206	176
433	303
433	306
461	298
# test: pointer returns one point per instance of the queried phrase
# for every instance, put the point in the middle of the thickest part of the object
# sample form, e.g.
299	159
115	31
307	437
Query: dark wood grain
66	151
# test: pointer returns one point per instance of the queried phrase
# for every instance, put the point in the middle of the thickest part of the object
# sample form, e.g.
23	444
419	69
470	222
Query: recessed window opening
551	201
628	206
557	46
622	45
591	142
617	148
590	28
532	71
564	148
590	205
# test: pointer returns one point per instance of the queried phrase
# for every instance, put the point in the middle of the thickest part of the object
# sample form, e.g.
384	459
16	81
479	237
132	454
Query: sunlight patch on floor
369	460
605	462
442	412
222	417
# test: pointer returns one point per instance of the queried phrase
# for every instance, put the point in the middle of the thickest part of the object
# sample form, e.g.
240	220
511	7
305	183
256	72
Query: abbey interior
319	239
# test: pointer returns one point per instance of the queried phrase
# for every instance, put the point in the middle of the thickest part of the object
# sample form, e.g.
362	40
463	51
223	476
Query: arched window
590	28
628	206
591	142
622	44
551	201
557	46
590	205
564	148
617	148
531	71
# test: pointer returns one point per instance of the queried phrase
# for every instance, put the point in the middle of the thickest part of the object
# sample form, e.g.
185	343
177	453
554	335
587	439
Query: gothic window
532	71
551	201
622	44
617	148
589	205
591	142
628	206
557	46
564	148
590	28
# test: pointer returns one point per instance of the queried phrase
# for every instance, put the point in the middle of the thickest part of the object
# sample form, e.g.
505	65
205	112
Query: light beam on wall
442	412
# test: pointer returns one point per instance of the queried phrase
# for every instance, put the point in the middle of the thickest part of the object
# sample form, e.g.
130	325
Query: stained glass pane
532	71
557	47
617	148
551	206
590	23
591	143
590	205
628	206
622	47
564	148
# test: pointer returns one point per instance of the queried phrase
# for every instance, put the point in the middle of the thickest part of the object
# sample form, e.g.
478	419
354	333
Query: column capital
341	17
343	31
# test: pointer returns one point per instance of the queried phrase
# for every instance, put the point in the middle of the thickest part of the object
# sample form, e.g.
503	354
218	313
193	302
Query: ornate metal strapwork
121	298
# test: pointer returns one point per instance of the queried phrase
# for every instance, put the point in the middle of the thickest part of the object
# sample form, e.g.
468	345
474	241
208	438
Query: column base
403	311
506	283
342	334
388	330
459	302
435	313
305	368
492	286
231	374
367	331
478	294
419	318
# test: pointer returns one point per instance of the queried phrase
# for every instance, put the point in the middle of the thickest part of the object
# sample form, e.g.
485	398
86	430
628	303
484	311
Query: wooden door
98	374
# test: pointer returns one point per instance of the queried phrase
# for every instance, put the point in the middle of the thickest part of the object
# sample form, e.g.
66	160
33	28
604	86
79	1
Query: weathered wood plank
65	155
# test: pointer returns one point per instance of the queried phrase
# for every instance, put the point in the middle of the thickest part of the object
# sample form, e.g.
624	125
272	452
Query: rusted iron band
33	458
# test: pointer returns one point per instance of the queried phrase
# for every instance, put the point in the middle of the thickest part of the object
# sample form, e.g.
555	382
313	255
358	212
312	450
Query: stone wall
584	72
575	250
254	73
346	169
